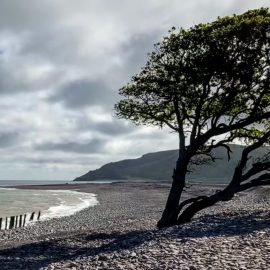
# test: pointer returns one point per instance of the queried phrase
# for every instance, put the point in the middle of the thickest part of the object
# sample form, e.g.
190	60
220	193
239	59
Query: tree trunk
170	213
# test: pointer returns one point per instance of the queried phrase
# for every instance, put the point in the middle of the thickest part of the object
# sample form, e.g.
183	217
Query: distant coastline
19	183
5	183
159	166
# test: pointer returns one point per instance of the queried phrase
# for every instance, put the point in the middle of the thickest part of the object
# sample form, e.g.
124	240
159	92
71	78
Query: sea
51	203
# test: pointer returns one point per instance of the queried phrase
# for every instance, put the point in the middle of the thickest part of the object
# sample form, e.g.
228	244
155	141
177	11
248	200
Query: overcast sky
61	65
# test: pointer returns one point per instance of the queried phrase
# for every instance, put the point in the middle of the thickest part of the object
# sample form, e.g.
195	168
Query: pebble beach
120	233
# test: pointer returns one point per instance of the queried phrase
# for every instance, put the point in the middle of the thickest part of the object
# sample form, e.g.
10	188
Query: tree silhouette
210	84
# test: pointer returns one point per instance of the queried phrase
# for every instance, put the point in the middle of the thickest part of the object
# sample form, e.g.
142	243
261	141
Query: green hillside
159	166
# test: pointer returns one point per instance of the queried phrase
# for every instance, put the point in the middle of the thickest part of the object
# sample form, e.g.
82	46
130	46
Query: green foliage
249	135
206	80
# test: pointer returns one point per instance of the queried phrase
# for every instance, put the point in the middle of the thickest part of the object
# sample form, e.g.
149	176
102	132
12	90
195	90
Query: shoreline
121	233
81	184
41	203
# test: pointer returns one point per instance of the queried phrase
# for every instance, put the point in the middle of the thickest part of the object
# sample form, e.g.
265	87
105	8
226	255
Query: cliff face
159	166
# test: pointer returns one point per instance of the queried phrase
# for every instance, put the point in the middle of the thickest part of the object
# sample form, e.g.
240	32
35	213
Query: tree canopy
209	80
213	76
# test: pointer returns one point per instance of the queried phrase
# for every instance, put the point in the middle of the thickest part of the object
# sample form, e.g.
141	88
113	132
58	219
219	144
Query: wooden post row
17	221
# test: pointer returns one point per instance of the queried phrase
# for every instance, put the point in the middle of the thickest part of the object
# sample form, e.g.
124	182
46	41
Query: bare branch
188	201
262	180
256	168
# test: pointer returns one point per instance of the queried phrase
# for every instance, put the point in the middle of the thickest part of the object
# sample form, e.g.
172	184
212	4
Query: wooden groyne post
16	222
20	221
32	216
24	220
11	222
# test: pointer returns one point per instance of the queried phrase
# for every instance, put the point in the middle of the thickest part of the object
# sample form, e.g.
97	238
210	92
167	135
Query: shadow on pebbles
233	235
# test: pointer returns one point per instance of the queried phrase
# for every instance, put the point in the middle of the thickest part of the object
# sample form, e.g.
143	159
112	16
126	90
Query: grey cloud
94	146
11	83
133	56
108	128
82	93
7	82
136	49
43	160
114	128
19	15
8	139
57	45
38	160
153	136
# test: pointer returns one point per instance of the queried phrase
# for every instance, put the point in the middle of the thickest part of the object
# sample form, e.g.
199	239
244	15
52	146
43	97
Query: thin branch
251	148
225	129
256	168
262	180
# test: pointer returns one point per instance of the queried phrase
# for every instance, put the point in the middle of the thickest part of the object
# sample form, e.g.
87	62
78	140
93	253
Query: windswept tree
210	84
